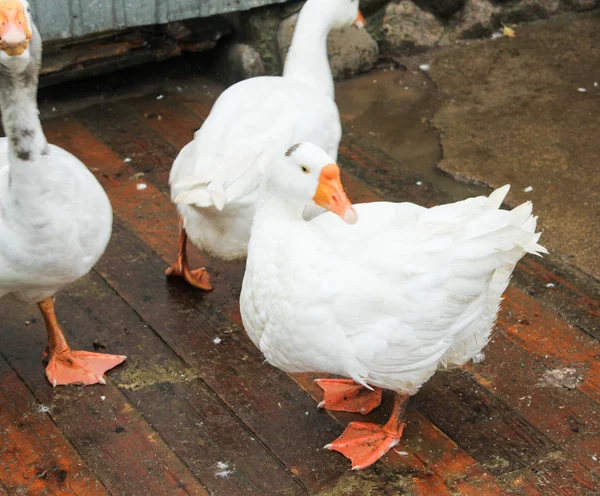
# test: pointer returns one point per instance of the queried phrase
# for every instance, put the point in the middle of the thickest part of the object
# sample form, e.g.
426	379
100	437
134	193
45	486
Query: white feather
54	227
385	301
215	179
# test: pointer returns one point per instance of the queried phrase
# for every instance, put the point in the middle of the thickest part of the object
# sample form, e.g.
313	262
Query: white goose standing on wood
215	178
384	302
55	218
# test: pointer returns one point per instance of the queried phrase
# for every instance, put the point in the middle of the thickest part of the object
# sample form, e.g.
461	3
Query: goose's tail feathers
201	195
523	217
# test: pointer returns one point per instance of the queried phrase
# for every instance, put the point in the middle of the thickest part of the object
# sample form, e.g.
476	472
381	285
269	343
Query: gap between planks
127	194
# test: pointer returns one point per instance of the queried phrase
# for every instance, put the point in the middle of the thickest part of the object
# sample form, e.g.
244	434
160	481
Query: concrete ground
526	111
491	112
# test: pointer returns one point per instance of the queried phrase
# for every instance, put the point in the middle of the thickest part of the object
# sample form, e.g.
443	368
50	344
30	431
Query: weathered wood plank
34	456
553	284
552	476
168	393
68	18
173	311
233	369
459	471
491	432
174	122
532	457
353	185
422	445
123	451
130	137
570	419
365	196
545	335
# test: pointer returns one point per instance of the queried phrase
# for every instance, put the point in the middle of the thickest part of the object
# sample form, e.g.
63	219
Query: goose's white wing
249	124
398	290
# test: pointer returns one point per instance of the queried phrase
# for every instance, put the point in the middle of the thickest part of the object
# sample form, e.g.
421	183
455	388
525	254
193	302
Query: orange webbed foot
198	278
80	367
348	396
365	443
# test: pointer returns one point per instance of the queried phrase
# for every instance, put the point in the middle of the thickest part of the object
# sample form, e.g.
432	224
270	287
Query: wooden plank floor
192	414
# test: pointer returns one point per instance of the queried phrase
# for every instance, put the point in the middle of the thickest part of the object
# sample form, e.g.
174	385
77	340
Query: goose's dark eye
305	169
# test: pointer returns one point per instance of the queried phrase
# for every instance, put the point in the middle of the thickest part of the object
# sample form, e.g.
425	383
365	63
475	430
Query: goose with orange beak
55	219
382	294
215	178
15	30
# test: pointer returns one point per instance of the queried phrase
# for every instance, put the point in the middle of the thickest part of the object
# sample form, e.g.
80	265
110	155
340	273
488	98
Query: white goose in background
386	301
215	178
55	219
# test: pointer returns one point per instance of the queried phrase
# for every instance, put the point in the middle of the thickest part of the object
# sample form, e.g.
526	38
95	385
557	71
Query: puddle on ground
391	110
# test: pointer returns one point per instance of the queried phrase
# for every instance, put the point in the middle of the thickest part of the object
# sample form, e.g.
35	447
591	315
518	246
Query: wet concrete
392	110
513	113
492	112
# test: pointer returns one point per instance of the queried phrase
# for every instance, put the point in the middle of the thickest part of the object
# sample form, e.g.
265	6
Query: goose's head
307	175
16	31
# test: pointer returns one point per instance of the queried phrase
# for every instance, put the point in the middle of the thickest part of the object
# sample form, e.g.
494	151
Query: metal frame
63	19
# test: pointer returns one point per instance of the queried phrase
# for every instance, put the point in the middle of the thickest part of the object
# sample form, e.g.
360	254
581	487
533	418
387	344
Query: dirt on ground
526	111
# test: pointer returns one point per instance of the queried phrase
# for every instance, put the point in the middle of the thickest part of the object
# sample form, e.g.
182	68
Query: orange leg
365	443
348	396
72	367
198	278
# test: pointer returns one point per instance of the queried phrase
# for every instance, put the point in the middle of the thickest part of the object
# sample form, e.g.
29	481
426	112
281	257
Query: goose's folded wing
410	279
230	153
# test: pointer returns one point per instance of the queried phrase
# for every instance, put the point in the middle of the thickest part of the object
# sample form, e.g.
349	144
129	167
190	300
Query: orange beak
331	195
359	22
15	32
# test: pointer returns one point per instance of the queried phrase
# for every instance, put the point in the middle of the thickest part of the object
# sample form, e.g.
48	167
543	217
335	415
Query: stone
405	25
238	62
368	6
443	8
528	10
259	28
375	23
350	50
477	19
580	5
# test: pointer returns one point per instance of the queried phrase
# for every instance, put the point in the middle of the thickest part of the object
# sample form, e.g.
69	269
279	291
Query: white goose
55	219
384	302
215	178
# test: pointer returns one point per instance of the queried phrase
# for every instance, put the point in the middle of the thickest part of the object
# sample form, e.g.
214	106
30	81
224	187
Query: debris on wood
566	377
508	32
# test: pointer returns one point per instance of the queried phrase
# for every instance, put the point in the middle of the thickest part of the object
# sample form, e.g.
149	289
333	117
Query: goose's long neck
20	118
307	57
274	217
